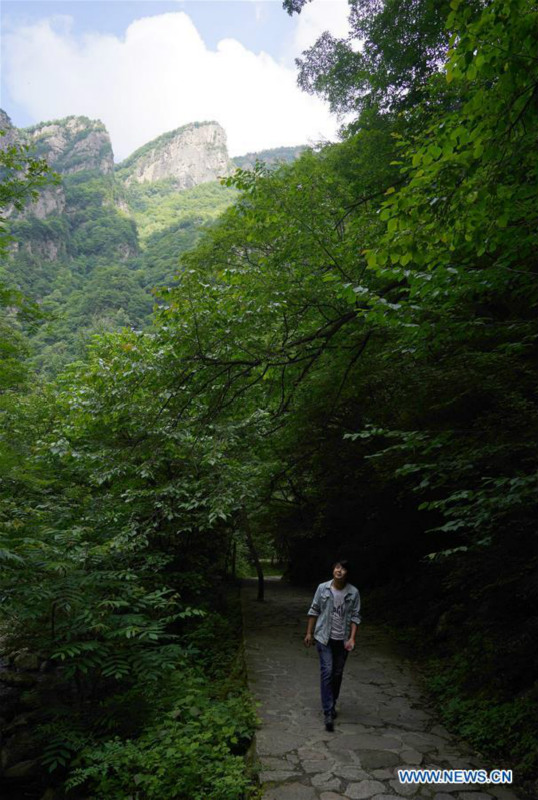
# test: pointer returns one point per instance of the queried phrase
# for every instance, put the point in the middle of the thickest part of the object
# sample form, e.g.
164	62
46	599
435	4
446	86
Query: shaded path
383	721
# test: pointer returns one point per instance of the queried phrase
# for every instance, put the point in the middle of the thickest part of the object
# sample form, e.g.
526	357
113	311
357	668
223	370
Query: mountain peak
195	153
72	144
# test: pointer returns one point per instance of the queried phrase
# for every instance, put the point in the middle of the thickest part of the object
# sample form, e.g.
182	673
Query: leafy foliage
21	177
401	45
158	206
188	752
496	728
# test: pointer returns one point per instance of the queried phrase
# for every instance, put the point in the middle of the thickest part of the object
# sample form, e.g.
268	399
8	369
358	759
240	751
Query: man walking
335	614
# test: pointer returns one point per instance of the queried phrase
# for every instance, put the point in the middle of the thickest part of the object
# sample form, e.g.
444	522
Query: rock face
73	144
190	155
10	132
196	153
76	214
51	199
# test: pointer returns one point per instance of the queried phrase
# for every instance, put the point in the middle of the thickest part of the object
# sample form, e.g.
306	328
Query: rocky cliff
51	199
89	211
10	132
70	216
73	144
190	155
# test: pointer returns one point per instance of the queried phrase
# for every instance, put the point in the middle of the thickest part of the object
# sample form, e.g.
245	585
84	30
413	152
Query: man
335	614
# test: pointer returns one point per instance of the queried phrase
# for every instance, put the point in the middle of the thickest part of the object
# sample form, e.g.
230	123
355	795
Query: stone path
383	720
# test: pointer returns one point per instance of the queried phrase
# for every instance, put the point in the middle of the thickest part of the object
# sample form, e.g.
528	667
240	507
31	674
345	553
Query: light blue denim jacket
322	608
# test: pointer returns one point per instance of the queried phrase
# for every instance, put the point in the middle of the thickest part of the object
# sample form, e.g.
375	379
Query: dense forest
344	363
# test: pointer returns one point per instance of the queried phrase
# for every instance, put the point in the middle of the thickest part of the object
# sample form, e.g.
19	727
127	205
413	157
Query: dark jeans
332	657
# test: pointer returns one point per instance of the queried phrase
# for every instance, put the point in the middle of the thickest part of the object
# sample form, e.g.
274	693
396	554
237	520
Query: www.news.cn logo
498	776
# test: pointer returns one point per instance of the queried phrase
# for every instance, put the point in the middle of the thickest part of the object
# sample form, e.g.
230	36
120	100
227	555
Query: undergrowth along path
384	720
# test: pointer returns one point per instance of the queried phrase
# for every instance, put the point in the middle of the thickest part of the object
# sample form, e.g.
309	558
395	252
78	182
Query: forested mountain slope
93	246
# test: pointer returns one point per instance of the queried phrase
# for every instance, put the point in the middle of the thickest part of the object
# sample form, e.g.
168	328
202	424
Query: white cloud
158	76
317	17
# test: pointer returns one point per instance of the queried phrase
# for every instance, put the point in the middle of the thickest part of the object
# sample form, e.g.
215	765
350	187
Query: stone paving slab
384	722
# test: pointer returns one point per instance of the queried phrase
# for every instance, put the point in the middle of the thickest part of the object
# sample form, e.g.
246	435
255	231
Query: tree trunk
253	555
234	559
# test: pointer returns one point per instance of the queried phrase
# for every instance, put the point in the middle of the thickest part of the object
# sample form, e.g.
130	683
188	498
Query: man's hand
308	640
350	645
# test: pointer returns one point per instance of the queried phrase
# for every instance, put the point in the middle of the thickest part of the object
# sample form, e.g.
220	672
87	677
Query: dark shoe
329	725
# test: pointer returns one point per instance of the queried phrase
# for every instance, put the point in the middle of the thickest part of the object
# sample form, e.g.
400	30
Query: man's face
339	572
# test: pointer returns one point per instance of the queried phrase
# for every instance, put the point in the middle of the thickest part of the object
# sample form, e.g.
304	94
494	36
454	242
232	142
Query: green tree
21	176
387	60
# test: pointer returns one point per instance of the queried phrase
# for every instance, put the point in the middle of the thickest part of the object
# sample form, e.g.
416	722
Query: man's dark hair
343	563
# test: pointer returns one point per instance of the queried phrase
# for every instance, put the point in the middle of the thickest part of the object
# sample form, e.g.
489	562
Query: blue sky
147	67
260	25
